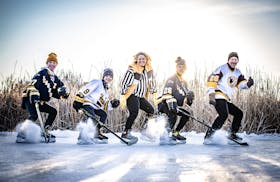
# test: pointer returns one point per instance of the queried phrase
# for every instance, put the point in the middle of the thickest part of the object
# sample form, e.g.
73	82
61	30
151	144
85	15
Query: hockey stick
41	121
187	114
103	125
202	122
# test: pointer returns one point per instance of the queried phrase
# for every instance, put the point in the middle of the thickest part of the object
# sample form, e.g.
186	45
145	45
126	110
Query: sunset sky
88	35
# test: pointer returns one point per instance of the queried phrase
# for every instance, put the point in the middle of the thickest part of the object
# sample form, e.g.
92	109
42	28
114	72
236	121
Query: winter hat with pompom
52	57
180	61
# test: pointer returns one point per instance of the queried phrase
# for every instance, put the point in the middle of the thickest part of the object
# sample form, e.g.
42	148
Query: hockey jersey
177	88
46	83
95	94
224	82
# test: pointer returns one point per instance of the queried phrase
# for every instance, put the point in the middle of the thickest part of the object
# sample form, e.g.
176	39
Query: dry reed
260	104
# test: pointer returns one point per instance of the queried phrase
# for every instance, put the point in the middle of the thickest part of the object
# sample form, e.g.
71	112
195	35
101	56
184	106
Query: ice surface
144	161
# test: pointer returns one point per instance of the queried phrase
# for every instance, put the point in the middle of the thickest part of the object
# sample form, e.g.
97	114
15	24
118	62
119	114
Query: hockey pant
223	107
43	108
172	117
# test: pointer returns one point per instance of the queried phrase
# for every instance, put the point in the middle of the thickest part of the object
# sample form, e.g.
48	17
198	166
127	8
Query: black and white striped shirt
142	85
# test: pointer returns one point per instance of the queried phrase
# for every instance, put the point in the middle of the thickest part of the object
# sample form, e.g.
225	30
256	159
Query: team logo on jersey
232	81
180	91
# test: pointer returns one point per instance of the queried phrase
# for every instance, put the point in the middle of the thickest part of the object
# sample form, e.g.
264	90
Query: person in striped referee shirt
136	85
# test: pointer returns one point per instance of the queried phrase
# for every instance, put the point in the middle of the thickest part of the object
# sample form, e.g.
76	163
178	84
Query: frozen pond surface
144	161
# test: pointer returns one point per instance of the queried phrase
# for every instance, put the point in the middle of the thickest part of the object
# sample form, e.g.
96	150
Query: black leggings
224	108
172	117
43	108
134	104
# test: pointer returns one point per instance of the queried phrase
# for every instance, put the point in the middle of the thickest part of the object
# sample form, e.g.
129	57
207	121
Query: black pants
43	108
91	112
134	104
172	117
223	107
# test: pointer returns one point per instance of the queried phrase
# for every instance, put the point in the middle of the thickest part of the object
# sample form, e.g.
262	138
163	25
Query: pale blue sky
87	34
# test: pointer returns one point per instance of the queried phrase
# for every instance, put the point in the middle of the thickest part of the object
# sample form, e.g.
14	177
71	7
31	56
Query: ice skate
209	136
179	138
233	136
167	140
126	135
99	138
20	138
47	136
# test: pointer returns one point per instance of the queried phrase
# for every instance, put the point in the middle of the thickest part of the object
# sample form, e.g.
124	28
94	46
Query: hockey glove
62	91
250	82
172	105
212	99
190	97
115	103
34	96
77	105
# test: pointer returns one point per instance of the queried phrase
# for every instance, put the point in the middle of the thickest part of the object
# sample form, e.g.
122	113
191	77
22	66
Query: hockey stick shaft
187	114
41	121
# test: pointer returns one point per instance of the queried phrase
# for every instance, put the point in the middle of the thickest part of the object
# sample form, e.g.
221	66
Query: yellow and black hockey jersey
45	83
95	94
176	87
224	82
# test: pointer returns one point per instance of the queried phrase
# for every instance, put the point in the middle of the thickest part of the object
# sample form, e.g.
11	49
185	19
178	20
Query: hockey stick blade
240	143
124	141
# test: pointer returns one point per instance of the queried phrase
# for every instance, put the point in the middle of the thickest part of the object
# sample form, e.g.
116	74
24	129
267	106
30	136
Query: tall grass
260	104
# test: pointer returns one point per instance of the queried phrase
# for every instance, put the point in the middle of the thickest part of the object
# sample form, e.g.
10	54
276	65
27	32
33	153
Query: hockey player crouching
45	84
175	95
93	99
222	84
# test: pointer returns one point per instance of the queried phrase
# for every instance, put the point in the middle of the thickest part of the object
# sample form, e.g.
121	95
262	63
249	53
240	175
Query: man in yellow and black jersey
93	100
45	85
176	93
221	86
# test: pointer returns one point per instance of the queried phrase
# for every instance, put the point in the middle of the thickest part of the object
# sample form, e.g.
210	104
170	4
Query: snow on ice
65	160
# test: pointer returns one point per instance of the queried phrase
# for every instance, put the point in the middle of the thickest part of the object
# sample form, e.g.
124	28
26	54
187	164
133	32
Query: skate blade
47	140
98	141
21	140
167	142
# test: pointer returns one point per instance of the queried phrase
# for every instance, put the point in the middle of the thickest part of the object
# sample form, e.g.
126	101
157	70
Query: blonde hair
141	53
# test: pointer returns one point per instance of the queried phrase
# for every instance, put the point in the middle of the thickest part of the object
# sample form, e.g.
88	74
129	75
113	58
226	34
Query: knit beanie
108	71
233	54
52	57
180	61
